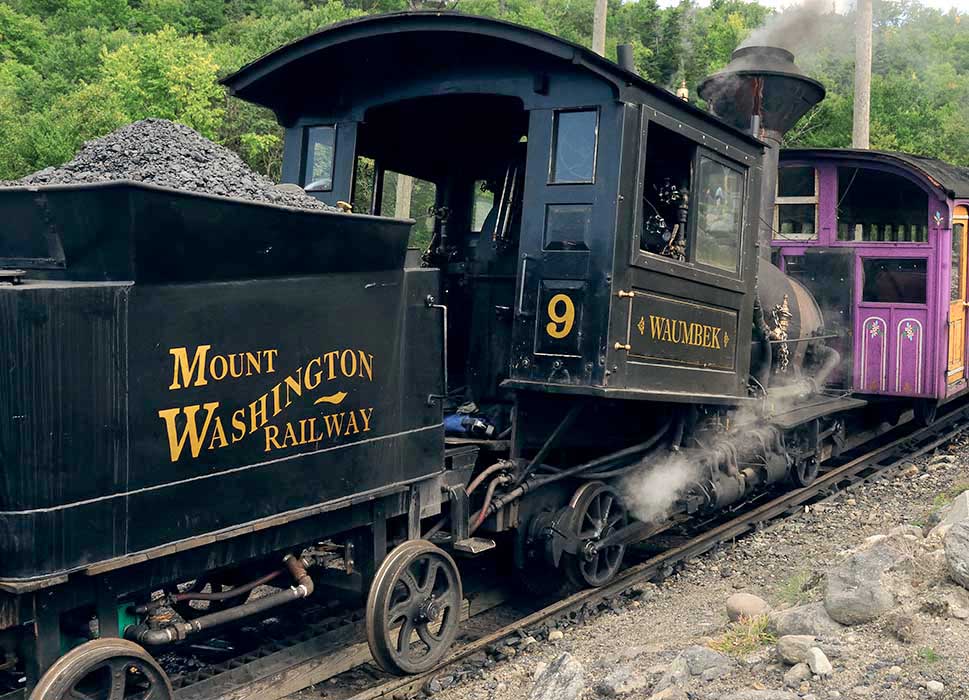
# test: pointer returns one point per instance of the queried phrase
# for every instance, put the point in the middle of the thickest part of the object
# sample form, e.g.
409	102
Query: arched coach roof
365	48
951	180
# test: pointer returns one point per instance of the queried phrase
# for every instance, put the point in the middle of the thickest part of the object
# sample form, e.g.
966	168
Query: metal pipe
482	514
147	636
232	593
546	448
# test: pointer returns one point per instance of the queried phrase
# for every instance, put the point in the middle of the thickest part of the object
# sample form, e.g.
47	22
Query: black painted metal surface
139	413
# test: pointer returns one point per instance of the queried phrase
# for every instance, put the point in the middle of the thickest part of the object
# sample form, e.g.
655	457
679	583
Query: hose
482	514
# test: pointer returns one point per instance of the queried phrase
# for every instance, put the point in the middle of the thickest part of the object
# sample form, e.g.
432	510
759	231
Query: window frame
862	283
779	201
305	156
693	231
553	144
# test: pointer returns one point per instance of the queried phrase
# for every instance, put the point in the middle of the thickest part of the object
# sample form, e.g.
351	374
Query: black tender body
295	342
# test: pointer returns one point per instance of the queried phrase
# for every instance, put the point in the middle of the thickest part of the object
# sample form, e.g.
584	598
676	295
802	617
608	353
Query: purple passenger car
880	240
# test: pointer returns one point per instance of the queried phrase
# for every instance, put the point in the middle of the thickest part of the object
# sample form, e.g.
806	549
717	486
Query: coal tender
194	381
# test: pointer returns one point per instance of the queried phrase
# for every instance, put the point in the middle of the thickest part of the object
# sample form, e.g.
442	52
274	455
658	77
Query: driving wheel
805	471
413	609
597	512
105	669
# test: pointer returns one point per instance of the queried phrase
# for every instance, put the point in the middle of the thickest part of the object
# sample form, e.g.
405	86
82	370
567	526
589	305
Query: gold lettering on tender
190	432
277	404
716	337
317	376
233	372
272	433
218	374
270	356
253	359
334	424
351	369
366	364
289	438
294	385
330	359
187	370
365	414
257	413
655	324
238	424
218	435
674	336
352	428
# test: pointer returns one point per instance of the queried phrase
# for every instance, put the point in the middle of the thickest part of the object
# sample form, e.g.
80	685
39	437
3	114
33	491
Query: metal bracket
431	303
460	513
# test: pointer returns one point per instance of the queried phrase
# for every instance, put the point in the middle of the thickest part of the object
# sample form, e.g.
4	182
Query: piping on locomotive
593	344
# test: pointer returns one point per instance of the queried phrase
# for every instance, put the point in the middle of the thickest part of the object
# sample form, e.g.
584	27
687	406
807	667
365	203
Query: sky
843	4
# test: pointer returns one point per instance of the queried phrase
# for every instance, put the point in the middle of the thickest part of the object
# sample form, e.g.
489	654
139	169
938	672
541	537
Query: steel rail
870	466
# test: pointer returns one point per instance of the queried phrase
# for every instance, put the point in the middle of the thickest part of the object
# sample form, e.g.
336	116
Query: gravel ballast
160	152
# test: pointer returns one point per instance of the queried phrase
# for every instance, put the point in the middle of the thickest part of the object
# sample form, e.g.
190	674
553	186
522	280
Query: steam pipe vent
624	57
763	92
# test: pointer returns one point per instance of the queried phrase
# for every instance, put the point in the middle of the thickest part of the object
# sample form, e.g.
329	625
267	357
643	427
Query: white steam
651	492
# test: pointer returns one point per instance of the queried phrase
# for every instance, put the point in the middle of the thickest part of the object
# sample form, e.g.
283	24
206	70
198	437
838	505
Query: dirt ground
785	565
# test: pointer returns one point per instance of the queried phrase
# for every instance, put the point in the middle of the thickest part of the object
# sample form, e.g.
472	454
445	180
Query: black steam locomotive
203	395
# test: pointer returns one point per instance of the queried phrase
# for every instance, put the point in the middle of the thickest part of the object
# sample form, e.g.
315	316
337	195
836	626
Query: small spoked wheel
105	669
414	607
597	512
805	471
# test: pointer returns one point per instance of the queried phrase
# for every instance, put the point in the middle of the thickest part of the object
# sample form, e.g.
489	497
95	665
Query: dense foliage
74	69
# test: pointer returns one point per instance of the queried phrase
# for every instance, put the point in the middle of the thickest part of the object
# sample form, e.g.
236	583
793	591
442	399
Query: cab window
320	143
720	210
574	136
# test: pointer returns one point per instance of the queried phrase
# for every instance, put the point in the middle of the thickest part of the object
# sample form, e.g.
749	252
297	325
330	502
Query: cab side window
693	202
666	192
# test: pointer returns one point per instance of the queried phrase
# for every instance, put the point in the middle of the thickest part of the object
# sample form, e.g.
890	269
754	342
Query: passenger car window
877	206
796	210
574	147
318	158
894	280
720	208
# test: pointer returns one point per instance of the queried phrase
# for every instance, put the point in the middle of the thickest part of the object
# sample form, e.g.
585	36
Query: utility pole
404	190
862	112
599	27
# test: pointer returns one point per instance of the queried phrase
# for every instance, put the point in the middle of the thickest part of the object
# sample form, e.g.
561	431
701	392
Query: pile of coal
160	152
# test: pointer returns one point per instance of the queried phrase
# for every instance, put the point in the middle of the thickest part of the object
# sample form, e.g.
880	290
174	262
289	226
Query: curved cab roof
952	180
382	48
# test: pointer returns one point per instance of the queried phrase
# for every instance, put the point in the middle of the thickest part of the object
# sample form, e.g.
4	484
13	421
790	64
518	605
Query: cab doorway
957	298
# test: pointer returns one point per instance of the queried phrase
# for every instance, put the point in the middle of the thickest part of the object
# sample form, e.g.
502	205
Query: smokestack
763	92
624	57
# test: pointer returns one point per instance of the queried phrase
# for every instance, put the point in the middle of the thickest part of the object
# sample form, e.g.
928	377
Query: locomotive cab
594	231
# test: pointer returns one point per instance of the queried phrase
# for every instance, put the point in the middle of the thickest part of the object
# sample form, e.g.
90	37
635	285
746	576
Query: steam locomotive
206	395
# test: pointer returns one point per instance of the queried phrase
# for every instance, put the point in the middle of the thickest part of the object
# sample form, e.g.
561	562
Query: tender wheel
597	512
105	669
417	589
804	472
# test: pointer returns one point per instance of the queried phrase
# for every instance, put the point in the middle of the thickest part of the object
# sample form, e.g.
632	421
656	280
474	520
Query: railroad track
333	643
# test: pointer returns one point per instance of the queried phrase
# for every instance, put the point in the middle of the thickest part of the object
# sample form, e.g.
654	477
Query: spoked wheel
597	512
804	472
105	669
413	609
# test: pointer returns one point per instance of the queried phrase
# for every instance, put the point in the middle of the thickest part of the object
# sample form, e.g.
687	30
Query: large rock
957	552
625	679
859	589
811	619
564	679
953	513
818	662
745	605
695	661
793	648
